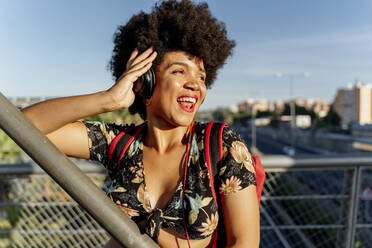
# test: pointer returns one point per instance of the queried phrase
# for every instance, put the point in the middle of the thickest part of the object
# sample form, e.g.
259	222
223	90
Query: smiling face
180	89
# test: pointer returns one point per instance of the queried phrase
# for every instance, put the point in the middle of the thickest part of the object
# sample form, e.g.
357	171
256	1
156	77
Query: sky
61	48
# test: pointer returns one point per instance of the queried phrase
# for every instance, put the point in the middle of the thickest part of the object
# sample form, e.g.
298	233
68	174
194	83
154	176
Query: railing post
352	209
70	178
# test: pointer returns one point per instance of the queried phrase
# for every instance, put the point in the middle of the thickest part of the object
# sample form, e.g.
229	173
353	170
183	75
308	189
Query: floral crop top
128	187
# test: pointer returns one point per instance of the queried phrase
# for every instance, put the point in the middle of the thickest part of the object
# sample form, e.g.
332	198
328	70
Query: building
353	104
301	121
233	108
22	102
253	106
279	106
320	108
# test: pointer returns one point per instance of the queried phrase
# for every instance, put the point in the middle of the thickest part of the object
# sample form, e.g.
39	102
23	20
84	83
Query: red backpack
213	154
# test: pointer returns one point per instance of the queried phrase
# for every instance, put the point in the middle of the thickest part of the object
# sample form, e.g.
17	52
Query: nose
192	83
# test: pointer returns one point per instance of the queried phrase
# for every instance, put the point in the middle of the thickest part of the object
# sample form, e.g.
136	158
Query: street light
291	77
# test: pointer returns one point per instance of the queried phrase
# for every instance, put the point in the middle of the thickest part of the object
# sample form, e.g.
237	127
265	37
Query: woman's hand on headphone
121	92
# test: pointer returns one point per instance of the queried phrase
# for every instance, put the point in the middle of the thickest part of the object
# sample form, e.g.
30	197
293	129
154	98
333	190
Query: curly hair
172	26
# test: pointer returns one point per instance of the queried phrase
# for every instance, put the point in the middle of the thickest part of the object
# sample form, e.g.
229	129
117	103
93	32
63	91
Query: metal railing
306	202
68	176
36	212
317	202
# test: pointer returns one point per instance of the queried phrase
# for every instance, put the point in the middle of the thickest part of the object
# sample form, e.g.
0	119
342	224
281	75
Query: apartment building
354	104
253	106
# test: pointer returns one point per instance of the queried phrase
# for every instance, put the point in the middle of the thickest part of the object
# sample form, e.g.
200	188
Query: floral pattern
231	184
241	155
124	206
143	197
210	225
127	184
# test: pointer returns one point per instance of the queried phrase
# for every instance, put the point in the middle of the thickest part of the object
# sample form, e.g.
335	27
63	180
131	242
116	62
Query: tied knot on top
153	223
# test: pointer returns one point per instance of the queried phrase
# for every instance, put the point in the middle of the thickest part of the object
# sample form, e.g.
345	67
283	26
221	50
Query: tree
241	117
275	120
332	118
221	114
10	152
300	111
264	114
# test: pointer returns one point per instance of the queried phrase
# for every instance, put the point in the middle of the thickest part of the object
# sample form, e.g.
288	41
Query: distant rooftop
21	102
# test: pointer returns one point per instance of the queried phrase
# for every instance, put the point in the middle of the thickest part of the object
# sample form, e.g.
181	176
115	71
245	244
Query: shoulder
235	147
236	171
106	126
100	136
229	134
107	131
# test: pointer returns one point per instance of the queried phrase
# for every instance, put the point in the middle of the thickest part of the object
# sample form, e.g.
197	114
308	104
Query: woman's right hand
121	92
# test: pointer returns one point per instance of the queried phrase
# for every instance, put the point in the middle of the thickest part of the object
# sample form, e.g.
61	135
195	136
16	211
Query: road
269	145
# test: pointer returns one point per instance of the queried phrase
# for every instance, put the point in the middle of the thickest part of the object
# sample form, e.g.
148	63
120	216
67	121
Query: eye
178	71
201	78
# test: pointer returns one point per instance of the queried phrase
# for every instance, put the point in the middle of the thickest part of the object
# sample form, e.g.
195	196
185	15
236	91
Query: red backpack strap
213	150
121	143
115	141
260	176
207	150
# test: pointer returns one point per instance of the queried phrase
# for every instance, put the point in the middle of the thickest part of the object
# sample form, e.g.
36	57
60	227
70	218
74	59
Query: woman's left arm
242	218
237	181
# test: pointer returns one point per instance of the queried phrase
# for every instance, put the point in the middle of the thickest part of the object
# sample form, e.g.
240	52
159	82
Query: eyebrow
183	64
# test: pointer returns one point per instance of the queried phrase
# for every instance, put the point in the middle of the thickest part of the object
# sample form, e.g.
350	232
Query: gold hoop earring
147	102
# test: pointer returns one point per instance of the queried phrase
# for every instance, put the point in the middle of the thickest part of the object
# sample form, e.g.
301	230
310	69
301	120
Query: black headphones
145	85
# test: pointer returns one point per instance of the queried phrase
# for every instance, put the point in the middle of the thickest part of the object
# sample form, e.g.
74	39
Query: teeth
186	99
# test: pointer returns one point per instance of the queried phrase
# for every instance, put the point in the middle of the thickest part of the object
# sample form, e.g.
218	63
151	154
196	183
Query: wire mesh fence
299	208
313	209
303	208
36	212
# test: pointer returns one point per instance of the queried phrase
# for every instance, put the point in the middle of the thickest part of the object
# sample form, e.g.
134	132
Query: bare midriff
169	239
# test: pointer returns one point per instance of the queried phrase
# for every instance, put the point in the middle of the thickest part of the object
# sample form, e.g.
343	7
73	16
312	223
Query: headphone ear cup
146	85
150	85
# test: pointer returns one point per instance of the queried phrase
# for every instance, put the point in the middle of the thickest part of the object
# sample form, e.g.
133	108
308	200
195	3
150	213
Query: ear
147	101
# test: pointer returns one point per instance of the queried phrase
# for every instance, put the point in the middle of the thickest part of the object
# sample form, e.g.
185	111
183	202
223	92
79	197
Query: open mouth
187	103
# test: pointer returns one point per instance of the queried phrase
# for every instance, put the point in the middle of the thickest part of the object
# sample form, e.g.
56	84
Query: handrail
270	163
70	178
315	162
31	168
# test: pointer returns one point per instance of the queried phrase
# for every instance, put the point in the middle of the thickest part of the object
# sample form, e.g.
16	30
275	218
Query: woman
185	46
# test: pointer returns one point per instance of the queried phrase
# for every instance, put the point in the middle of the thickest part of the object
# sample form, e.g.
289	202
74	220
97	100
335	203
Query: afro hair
172	26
